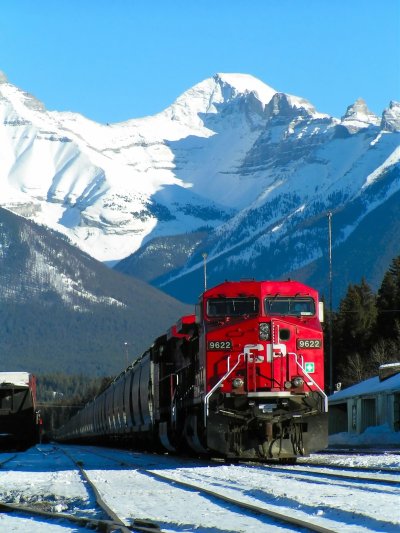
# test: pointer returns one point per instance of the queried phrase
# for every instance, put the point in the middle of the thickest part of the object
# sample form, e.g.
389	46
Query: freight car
19	420
241	378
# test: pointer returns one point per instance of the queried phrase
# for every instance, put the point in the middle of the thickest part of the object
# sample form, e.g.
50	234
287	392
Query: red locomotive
242	378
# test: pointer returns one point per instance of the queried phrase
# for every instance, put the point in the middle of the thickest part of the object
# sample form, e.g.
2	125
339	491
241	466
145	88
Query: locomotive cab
262	348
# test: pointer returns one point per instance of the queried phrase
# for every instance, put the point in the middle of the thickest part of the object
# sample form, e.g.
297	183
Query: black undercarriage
266	428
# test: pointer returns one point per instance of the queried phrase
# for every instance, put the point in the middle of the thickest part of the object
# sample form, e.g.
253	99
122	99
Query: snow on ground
44	477
384	460
381	436
43	481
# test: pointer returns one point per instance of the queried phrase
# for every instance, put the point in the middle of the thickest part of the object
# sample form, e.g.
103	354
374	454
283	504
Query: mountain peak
20	100
358	116
391	117
207	96
245	84
284	105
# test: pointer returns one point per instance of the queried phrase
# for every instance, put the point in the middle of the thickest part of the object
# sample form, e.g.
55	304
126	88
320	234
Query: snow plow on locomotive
241	378
19	420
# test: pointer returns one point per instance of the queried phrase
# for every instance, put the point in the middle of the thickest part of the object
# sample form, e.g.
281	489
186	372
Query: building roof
19	379
368	387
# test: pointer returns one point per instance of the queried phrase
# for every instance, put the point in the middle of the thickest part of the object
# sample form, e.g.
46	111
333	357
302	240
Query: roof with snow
20	379
368	387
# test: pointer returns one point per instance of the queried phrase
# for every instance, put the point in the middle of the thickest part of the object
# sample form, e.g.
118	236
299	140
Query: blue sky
112	60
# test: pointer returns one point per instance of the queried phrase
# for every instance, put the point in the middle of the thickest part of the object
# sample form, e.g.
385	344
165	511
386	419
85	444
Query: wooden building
371	406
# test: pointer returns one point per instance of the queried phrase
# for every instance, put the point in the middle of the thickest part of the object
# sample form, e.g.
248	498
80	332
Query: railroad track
138	525
327	471
277	517
335	517
268	497
350	468
284	518
280	517
110	523
89	523
359	451
4	461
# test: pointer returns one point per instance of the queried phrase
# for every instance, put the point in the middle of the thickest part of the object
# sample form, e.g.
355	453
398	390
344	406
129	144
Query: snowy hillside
63	311
232	168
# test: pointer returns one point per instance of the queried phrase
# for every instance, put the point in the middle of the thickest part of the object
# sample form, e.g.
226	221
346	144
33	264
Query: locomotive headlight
264	331
237	383
297	381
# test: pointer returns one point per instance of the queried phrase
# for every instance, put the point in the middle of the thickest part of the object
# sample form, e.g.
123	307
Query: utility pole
205	270
329	215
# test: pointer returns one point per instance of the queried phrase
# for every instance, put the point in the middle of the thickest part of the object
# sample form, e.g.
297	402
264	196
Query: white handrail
311	379
207	396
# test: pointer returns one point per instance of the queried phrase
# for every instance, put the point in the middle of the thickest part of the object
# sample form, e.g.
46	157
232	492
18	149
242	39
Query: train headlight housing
297	382
237	383
264	331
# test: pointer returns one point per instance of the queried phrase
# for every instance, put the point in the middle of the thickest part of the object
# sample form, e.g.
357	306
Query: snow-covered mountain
109	187
232	168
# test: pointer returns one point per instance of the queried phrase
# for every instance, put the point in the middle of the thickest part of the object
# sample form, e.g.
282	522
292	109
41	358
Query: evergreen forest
365	329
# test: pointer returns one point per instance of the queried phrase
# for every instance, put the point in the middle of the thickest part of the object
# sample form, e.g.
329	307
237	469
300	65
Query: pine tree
388	303
355	322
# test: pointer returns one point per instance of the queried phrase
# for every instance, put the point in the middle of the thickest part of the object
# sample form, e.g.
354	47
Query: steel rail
264	511
8	459
361	468
295	470
284	518
306	462
359	451
89	523
138	524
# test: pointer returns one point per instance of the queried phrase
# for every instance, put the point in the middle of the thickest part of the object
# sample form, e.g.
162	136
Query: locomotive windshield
220	307
289	305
